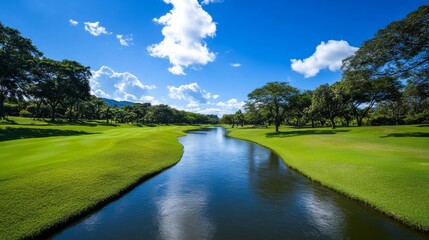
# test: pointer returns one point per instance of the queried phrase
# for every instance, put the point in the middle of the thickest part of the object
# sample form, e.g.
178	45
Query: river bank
53	174
385	167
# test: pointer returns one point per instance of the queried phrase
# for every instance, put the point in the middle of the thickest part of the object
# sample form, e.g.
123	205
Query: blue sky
203	56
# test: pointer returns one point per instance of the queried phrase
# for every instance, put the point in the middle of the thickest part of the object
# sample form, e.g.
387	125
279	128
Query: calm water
225	188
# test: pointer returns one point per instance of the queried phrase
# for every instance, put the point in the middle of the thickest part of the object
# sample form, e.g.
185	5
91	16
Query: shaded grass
12	133
385	167
303	132
47	181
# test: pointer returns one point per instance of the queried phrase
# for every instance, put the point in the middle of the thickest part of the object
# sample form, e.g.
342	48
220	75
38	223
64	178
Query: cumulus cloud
235	65
220	108
327	55
125	40
185	28
73	22
192	93
95	29
120	86
231	105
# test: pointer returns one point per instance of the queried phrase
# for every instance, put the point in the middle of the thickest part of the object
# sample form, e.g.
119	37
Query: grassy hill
50	174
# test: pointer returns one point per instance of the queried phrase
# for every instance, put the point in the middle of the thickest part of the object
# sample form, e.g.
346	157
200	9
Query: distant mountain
114	103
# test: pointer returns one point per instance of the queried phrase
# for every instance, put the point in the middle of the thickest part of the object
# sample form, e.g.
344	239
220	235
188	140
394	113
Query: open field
386	167
50	174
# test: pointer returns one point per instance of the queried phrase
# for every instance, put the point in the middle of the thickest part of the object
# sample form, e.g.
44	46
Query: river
225	188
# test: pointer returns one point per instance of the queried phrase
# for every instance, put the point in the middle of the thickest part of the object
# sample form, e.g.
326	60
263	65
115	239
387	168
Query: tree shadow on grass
82	123
408	134
304	132
8	133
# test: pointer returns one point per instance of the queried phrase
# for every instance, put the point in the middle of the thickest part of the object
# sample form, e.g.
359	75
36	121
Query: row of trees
34	86
26	74
96	108
386	82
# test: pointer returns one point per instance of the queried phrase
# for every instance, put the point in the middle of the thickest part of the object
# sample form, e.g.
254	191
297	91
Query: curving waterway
224	188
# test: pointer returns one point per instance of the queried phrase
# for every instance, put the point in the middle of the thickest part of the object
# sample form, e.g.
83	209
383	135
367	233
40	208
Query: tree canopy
276	98
401	49
17	59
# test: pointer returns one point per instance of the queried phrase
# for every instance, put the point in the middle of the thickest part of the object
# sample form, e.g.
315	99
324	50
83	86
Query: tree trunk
359	120
53	109
2	99
277	127
38	105
332	123
312	123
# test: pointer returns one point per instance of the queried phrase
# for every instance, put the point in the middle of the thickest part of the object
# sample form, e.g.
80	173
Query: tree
416	98
254	114
77	84
302	102
329	101
401	49
364	91
64	82
228	119
276	98
17	59
161	114
239	118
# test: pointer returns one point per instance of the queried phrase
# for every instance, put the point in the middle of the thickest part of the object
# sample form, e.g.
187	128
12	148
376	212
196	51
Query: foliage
401	49
17	57
277	98
329	101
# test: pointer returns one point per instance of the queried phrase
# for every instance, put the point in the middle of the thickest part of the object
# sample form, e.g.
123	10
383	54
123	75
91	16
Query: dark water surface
224	188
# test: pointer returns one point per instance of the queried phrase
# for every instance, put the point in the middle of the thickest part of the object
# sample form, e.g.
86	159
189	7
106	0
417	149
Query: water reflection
225	188
182	214
328	219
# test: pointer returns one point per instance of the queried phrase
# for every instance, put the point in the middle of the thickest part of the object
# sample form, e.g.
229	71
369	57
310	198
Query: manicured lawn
386	167
50	173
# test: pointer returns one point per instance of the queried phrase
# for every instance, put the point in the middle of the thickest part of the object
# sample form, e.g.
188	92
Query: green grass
386	167
50	174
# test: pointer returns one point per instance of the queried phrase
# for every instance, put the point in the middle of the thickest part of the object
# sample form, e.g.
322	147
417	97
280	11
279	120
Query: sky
202	56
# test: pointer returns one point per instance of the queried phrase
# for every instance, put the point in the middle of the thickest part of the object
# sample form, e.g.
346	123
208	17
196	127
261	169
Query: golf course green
50	174
385	167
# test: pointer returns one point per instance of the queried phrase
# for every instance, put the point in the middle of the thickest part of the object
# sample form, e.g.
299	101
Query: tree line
32	85
385	82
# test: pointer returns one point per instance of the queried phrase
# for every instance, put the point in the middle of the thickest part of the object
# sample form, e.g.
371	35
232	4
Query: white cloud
327	55
185	28
206	2
235	65
220	108
231	105
125	40
120	86
192	93
95	29
73	22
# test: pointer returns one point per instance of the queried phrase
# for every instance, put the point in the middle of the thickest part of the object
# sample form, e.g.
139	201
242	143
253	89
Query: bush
25	113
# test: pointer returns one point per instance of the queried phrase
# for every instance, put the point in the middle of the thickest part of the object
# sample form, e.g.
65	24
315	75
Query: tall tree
401	49
276	98
17	59
64	82
76	83
364	91
328	101
303	101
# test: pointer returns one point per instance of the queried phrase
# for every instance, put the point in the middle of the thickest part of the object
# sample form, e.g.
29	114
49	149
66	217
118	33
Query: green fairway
386	167
51	173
